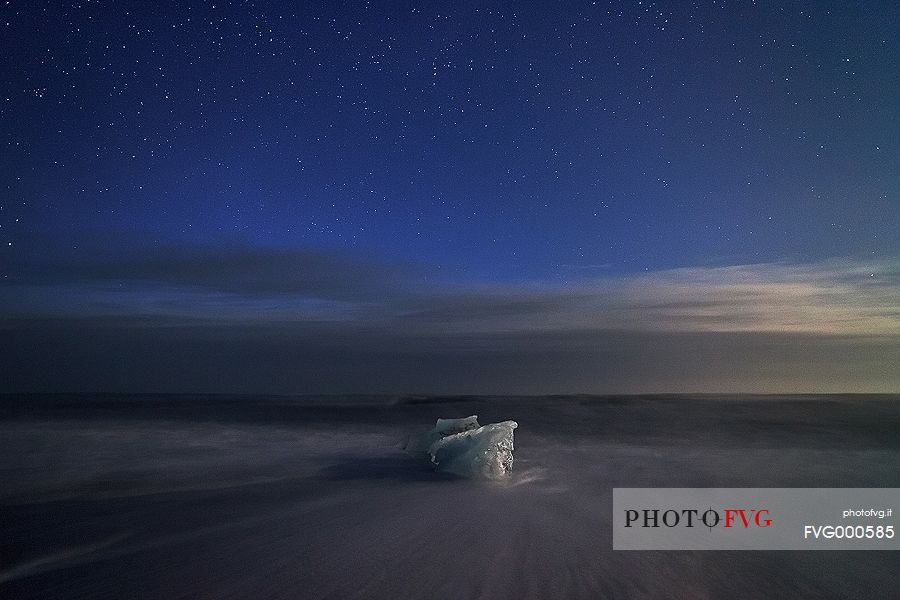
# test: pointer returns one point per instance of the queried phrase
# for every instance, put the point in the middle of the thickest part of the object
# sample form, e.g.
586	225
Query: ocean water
111	496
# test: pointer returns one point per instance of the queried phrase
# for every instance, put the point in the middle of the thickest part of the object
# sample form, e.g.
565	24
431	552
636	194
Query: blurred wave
198	497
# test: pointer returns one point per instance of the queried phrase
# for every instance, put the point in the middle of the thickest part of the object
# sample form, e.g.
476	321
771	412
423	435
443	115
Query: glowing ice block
462	447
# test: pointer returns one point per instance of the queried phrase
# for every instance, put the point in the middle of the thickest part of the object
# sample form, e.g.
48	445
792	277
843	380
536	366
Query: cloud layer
297	321
840	296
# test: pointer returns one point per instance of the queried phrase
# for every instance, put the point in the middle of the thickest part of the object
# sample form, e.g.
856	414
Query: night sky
450	197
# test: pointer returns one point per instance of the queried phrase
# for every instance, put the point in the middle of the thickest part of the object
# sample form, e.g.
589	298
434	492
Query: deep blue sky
152	151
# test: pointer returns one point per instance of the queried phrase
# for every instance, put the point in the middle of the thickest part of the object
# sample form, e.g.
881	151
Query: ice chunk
483	452
462	447
448	426
419	446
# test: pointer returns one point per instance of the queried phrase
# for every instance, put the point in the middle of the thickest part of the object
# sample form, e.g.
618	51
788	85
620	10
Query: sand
280	497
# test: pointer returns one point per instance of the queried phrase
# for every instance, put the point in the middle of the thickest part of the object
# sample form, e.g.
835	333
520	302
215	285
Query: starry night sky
450	197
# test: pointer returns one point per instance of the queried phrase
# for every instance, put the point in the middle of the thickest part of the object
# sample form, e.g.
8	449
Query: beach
169	496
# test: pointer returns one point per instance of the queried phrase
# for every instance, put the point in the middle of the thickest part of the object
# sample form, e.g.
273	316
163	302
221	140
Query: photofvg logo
691	517
754	518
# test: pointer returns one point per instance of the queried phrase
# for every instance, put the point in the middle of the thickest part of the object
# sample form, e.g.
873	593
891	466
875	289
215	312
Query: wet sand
279	497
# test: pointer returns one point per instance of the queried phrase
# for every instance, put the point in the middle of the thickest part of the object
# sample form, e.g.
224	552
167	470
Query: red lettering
766	522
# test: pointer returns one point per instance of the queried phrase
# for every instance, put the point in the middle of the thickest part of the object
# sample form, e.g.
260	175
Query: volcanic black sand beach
112	496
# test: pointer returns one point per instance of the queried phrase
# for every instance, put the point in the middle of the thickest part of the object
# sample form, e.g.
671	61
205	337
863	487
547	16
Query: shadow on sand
388	467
